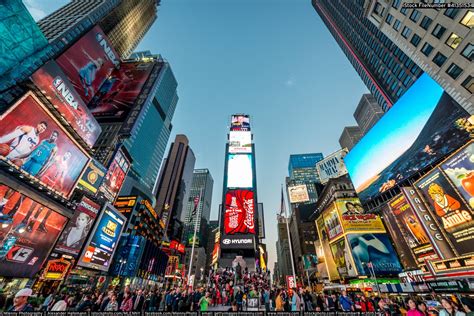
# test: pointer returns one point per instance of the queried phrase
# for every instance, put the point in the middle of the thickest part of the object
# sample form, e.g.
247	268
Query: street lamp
122	262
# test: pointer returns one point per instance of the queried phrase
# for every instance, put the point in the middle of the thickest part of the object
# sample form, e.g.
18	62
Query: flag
196	203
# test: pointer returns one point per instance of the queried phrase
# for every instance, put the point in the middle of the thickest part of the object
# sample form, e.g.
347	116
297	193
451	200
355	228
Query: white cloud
35	9
290	82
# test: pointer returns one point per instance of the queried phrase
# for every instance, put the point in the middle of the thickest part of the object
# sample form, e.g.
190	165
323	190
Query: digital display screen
240	142
239	171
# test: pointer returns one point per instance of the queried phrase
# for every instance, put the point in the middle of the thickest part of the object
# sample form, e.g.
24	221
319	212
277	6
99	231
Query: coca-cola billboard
239	216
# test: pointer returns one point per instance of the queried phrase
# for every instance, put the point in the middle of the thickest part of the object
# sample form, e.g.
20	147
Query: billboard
88	63
448	209
354	219
76	231
92	177
327	254
238	242
52	81
410	228
460	170
119	91
240	122
332	222
424	126
240	142
239	216
239	171
115	176
36	143
103	240
28	231
298	194
332	166
375	250
342	257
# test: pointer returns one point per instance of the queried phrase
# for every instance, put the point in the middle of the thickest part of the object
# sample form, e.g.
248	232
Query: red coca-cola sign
239	214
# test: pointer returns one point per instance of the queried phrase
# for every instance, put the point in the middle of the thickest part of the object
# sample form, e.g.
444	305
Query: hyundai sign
238	242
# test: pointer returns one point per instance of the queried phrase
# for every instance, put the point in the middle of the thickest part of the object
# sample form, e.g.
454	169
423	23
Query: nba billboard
239	216
52	81
89	62
36	143
332	166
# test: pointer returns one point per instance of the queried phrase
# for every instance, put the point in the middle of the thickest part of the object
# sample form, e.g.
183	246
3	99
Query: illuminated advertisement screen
92	177
89	62
52	81
100	247
332	222
239	214
117	94
298	194
240	122
374	250
28	231
355	220
36	143
115	176
76	231
424	126
341	254
239	171
240	142
332	166
327	255
449	210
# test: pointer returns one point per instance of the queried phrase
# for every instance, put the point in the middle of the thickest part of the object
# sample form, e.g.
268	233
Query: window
404	10
426	22
438	31
439	59
453	41
389	19
396	4
378	9
454	71
427	49
415	15
415	40
396	25
469	84
406	32
451	12
468	19
468	52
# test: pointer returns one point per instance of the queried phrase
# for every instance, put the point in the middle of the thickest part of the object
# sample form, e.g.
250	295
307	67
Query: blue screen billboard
424	126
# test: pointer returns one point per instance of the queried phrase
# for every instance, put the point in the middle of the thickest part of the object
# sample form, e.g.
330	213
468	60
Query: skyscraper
302	171
367	113
202	184
350	137
382	66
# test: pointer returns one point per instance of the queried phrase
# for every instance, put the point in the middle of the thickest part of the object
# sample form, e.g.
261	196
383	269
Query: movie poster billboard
298	193
239	216
332	166
52	81
374	250
88	62
324	241
119	91
76	231
412	230
240	122
354	219
460	170
449	210
423	127
332	222
92	177
103	240
240	142
115	176
28	232
37	144
239	171
342	257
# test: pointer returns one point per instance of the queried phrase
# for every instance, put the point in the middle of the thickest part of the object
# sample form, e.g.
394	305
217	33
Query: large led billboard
240	142
92	177
354	219
119	91
298	193
332	222
28	231
89	62
36	143
239	216
239	171
424	126
240	122
342	257
332	166
115	176
103	241
52	81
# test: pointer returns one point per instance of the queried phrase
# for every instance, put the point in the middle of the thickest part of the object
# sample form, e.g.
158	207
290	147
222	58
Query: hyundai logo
226	241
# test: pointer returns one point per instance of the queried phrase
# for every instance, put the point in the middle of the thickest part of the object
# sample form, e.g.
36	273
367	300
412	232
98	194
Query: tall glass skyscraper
302	170
382	66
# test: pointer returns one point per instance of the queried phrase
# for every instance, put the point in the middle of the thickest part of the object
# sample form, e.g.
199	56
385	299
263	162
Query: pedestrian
449	308
112	304
138	301
204	302
60	305
295	301
413	308
346	303
468	304
86	304
20	301
423	308
331	302
127	302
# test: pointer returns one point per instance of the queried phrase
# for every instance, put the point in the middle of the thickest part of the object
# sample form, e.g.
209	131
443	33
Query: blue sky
272	59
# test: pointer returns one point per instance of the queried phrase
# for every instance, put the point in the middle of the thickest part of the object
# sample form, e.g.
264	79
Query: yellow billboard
354	219
328	259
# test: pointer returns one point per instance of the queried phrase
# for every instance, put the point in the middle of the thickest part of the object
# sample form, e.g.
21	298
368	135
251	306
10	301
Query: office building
367	113
439	40
212	231
350	137
198	216
384	68
283	249
302	171
198	268
174	185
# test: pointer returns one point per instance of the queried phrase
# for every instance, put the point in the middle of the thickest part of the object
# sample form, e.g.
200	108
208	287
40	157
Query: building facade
302	171
367	113
384	68
440	40
198	265
350	137
283	249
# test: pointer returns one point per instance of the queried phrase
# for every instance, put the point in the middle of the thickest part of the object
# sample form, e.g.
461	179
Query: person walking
279	301
127	303
20	301
449	308
295	301
204	302
413	308
346	303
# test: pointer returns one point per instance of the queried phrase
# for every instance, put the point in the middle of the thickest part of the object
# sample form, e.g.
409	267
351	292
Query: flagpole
194	238
287	220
